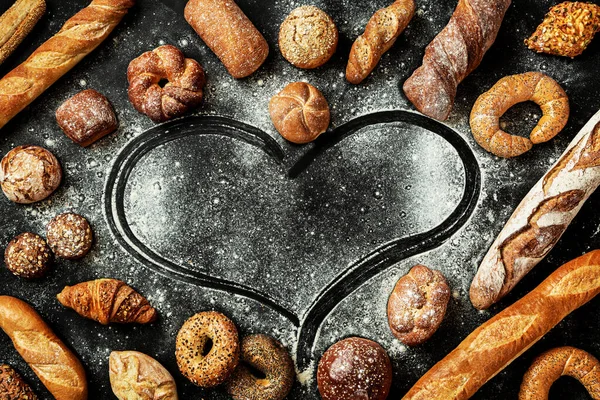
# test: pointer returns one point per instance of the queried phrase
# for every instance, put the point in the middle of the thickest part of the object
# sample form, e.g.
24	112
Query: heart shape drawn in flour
211	201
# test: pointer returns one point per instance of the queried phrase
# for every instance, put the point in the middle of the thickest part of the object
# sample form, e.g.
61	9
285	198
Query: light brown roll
56	366
299	112
17	22
229	33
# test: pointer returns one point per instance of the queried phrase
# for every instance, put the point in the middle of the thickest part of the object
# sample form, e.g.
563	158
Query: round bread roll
308	37
69	236
28	256
299	112
29	174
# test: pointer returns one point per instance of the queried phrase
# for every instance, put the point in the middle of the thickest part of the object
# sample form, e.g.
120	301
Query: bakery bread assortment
182	92
505	336
508	91
417	305
164	84
381	33
299	112
78	37
561	361
470	33
308	37
56	366
29	174
17	22
86	117
135	375
541	218
229	33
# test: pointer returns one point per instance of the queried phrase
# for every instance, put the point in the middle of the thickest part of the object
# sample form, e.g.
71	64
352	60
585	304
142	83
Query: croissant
106	301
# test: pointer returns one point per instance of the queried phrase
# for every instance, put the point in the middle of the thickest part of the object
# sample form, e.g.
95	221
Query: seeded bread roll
28	256
12	385
69	236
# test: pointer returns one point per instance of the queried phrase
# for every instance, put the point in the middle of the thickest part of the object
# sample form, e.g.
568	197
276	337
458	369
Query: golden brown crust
299	112
29	174
203	365
13	386
268	356
381	33
308	37
417	305
56	366
567	29
28	256
69	236
229	33
78	37
134	375
497	342
557	362
108	301
17	22
182	92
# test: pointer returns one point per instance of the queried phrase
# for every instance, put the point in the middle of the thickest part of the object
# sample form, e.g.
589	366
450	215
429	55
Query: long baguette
56	366
78	37
497	342
541	218
17	22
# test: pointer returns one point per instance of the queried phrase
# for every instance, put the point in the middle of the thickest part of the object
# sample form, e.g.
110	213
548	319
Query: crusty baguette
81	34
453	54
541	218
497	342
381	33
56	366
229	33
17	22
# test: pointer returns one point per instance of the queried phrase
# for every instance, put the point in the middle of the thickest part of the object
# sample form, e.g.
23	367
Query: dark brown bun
28	256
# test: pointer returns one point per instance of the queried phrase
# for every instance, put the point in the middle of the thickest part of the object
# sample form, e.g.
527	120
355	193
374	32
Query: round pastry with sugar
299	112
28	256
29	174
69	236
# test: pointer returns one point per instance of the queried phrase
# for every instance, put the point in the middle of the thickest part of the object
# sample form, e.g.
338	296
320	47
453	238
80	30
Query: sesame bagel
270	359
207	348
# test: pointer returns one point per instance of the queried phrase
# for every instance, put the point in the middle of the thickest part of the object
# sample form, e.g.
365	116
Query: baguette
497	342
17	22
453	54
381	33
541	218
56	366
81	34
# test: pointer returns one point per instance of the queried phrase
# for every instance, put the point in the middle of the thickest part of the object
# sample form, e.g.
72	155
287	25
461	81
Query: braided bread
497	342
81	34
56	366
17	22
453	54
381	33
181	93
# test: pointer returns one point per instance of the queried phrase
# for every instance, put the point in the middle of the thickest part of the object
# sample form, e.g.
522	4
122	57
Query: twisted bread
541	218
81	34
497	342
56	366
453	54
17	22
381	33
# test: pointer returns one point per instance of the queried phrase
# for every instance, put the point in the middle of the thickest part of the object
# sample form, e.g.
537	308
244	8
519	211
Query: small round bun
299	112
269	357
29	174
28	256
207	348
69	236
308	37
354	368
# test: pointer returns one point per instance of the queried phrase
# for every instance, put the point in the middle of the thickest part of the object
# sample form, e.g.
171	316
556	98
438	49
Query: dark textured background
217	205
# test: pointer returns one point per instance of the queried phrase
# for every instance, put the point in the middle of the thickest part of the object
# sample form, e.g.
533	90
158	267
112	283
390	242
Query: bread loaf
56	366
17	22
81	34
541	218
229	33
497	342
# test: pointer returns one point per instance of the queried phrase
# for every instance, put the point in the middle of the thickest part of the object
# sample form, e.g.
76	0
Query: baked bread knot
299	112
183	88
508	91
267	356
207	348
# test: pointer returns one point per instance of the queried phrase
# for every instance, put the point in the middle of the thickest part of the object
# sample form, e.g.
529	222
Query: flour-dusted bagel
182	92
